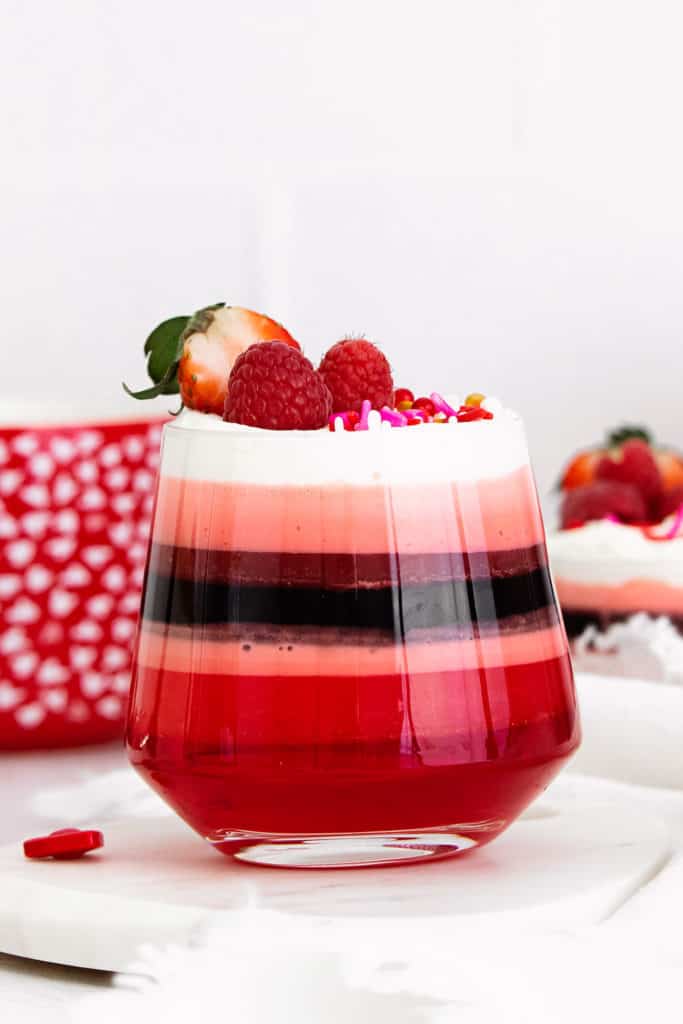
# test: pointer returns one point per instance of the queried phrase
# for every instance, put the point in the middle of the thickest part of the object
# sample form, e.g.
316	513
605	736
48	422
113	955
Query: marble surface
42	791
568	862
632	730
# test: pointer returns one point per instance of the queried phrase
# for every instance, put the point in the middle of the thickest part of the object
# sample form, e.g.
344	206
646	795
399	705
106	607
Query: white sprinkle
374	419
492	404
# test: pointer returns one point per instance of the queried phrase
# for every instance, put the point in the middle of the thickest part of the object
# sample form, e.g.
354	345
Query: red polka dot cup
75	508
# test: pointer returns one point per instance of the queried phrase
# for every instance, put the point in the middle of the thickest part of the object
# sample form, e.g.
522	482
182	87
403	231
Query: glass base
364	850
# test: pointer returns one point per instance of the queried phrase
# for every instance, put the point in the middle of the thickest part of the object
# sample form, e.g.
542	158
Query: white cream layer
612	553
202	447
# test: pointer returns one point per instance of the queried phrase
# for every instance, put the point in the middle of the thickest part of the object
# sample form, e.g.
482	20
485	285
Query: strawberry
194	355
600	499
581	469
634	464
671	468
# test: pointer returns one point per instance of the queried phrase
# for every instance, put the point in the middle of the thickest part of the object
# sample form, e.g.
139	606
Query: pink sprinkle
395	417
612	519
419	414
677	524
364	413
441	405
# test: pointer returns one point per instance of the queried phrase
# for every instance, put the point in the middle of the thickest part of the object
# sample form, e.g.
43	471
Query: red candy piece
65	844
468	413
425	404
403	396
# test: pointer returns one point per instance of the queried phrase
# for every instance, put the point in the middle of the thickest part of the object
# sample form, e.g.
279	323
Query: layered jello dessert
619	551
349	650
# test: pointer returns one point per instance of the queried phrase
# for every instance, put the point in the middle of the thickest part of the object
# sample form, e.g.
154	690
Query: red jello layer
487	515
342	754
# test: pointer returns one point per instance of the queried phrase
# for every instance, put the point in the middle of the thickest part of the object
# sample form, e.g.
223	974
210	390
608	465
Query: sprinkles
412	412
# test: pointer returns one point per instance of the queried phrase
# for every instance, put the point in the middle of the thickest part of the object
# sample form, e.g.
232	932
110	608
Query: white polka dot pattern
75	508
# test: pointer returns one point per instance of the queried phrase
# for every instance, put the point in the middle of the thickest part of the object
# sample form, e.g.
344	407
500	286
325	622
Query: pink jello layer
633	596
487	515
184	654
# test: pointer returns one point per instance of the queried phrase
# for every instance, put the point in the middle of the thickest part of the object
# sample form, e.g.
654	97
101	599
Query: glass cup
350	651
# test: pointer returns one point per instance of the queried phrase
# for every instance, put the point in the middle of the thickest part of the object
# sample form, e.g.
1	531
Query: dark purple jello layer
389	596
338	571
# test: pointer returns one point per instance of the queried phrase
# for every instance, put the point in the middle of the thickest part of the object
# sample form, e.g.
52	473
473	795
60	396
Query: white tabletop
32	992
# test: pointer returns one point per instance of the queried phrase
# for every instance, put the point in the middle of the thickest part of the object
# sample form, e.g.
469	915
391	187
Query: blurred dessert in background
619	549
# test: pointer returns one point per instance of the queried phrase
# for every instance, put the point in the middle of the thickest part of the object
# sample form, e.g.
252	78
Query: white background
490	190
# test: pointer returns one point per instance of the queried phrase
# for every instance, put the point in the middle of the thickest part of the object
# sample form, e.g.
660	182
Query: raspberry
670	502
600	499
635	465
274	386
354	369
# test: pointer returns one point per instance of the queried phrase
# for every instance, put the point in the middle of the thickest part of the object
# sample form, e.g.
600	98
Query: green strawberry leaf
163	349
627	433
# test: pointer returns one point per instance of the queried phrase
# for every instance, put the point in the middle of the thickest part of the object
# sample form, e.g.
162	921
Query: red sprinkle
468	413
65	844
349	419
426	404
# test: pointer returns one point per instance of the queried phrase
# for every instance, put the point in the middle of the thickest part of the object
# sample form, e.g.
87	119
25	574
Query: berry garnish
425	404
581	470
194	356
274	386
671	468
403	399
670	502
600	499
633	463
354	370
583	467
628	432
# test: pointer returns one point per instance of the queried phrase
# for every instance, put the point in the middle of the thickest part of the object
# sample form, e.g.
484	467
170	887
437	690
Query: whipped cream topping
612	553
198	446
